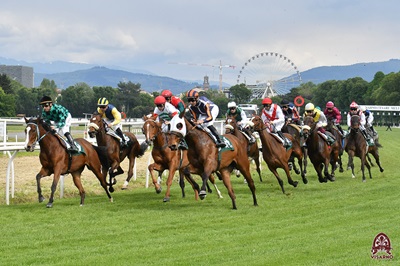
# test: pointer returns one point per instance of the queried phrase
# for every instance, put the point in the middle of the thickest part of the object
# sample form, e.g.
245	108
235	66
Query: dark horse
205	158
357	146
319	152
231	127
98	128
167	158
55	158
274	154
339	139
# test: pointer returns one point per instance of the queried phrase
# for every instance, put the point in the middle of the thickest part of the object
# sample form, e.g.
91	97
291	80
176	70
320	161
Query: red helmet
330	104
159	100
267	101
353	105
166	93
192	93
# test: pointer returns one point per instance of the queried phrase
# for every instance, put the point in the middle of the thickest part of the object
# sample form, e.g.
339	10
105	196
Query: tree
78	99
7	104
5	84
240	93
128	96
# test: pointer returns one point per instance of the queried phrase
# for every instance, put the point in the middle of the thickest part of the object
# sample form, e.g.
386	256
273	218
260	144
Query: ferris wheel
269	74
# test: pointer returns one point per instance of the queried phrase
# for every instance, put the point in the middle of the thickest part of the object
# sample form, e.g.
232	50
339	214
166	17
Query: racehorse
55	159
205	158
97	127
231	127
167	158
274	154
298	139
338	137
319	152
357	146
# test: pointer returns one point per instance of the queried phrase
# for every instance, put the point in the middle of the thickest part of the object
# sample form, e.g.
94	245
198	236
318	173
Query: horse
56	159
167	158
339	139
275	154
296	132
252	149
357	146
319	152
97	127
205	158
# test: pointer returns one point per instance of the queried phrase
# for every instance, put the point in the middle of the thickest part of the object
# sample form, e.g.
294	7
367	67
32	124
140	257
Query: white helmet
363	108
310	107
231	105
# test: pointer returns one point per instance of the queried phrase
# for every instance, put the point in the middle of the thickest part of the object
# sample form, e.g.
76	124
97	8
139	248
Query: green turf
314	224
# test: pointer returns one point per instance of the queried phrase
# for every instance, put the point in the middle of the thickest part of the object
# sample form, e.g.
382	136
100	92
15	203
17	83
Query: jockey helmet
46	99
267	101
309	107
285	102
102	102
330	104
354	105
166	93
159	100
192	94
363	108
231	105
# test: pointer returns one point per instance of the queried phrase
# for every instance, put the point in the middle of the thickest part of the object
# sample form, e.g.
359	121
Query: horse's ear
26	120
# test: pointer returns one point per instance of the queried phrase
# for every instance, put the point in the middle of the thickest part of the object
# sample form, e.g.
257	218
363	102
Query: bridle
38	137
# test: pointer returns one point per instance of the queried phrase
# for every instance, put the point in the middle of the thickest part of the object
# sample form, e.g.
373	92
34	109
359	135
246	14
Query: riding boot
252	139
71	142
374	133
340	130
121	135
369	140
219	143
329	139
286	143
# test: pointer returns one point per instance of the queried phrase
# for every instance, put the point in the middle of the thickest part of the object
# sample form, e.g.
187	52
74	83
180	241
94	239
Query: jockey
332	112
319	119
175	101
369	118
60	116
204	113
112	117
354	110
290	112
164	111
241	119
274	119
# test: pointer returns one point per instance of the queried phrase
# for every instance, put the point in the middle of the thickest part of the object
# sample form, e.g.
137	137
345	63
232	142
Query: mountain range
67	74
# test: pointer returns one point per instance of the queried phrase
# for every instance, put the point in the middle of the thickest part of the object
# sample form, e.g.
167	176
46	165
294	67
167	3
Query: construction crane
220	66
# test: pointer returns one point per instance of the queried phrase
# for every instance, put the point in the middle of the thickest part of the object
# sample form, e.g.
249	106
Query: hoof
322	180
111	189
158	191
166	199
297	171
202	194
41	199
295	183
124	188
382	170
341	170
305	180
49	205
331	178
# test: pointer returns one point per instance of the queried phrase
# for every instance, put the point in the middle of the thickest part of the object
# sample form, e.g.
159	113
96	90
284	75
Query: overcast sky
151	34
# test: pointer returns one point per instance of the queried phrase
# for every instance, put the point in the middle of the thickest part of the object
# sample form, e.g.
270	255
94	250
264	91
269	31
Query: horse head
258	124
230	125
33	132
151	129
355	123
96	124
308	127
173	140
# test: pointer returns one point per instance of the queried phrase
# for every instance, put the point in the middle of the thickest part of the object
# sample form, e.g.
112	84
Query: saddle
112	133
277	137
67	146
228	144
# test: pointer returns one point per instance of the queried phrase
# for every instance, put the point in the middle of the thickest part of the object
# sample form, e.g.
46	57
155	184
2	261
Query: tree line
134	102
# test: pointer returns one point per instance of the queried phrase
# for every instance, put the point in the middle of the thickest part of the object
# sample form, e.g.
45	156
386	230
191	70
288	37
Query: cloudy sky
150	34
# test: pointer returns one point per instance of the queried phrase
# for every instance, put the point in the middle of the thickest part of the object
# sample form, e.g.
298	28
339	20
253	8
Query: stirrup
220	144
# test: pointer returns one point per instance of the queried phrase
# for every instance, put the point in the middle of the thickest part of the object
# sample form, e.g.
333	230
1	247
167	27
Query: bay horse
205	158
253	152
167	158
339	139
356	145
301	154
275	154
97	127
319	152
56	159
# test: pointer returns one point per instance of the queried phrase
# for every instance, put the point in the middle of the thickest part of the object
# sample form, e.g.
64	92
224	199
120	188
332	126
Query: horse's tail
103	156
377	144
139	150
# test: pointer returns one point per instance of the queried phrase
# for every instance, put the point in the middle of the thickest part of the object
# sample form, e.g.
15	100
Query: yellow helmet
102	101
310	107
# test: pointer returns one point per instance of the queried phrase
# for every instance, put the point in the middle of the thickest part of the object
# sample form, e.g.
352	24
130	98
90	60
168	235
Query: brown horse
231	127
319	152
274	154
356	145
55	158
167	158
339	139
98	128
205	158
301	154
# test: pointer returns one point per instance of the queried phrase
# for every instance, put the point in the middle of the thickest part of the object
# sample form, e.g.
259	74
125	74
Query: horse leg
101	175
42	173
56	178
363	161
171	173
305	162
151	170
257	161
76	177
191	181
289	177
225	174
350	163
204	176
250	182
130	173
212	180
369	159
280	182
377	160
318	169
368	168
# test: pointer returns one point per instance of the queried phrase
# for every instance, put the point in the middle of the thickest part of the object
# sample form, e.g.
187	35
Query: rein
38	138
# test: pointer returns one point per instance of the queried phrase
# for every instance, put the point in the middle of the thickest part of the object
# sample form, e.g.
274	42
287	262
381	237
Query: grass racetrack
333	223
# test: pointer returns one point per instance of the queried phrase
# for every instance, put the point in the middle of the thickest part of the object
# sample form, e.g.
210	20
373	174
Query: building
22	74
